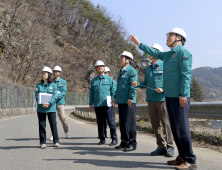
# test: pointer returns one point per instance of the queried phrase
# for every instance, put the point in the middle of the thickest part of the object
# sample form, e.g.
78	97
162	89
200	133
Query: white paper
58	93
44	98
109	101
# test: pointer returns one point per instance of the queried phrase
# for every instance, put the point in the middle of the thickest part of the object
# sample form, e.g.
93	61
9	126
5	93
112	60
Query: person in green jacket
49	109
108	73
125	97
101	95
153	82
176	86
60	103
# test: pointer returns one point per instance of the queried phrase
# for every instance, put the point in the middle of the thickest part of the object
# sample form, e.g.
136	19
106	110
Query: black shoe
129	148
114	142
170	151
102	142
158	152
120	147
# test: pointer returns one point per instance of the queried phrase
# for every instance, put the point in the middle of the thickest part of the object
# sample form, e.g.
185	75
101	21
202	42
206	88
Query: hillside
71	33
211	80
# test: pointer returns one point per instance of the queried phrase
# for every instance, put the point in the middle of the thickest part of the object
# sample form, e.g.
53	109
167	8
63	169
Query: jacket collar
126	68
44	84
177	48
103	77
59	79
157	63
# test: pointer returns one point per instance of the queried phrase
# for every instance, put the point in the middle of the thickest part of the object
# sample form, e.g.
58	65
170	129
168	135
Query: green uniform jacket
100	89
114	85
177	69
62	87
153	78
46	88
125	89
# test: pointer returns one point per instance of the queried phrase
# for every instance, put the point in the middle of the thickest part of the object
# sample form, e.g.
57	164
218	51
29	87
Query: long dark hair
49	80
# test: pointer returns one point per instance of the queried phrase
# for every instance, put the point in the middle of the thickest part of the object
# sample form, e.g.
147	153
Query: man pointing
176	86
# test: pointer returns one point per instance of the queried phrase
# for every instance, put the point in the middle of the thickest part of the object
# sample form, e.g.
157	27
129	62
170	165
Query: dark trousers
103	114
113	111
53	126
180	127
127	121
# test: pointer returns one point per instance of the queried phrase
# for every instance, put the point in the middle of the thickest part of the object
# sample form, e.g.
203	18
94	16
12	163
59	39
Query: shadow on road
117	164
23	139
17	147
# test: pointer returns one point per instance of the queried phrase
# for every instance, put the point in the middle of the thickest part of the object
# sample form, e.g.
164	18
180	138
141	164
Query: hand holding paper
45	105
109	101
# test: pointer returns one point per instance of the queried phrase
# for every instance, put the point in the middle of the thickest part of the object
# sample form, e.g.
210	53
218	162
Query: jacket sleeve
185	67
63	90
37	94
91	94
54	97
153	52
132	89
116	85
113	89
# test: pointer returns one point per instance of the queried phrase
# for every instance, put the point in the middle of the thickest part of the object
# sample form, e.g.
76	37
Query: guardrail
200	110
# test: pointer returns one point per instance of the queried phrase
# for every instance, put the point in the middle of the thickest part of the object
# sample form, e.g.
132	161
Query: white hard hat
99	63
47	69
178	31
127	54
107	69
57	68
157	47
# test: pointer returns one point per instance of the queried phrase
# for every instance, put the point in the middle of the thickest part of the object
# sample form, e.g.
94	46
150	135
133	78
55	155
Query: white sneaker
68	136
51	138
56	144
43	146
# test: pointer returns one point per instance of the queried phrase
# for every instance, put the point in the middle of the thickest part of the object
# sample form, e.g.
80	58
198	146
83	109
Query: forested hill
71	33
211	80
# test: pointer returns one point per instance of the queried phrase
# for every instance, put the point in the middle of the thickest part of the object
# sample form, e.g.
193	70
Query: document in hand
44	98
58	93
109	101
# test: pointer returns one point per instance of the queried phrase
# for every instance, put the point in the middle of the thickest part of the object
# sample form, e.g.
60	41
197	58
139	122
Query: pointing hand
134	40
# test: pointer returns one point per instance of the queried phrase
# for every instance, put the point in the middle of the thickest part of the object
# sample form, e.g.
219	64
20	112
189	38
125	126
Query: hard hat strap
125	63
175	41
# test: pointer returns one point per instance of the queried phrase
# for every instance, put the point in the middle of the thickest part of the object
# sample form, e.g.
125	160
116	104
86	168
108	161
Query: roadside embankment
7	113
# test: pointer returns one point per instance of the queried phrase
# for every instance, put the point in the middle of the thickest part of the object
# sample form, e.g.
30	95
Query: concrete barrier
7	113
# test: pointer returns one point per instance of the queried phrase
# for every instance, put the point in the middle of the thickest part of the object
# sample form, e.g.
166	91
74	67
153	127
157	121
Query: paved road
19	149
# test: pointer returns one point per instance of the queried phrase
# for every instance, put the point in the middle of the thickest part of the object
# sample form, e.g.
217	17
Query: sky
150	20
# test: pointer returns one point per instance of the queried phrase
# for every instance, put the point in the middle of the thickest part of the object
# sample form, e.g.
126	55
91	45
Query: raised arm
148	50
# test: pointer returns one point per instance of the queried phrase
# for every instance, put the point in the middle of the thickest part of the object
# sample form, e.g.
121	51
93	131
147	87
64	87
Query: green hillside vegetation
211	81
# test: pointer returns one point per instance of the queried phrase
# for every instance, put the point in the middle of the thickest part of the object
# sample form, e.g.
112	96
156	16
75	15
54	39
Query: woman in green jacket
49	109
